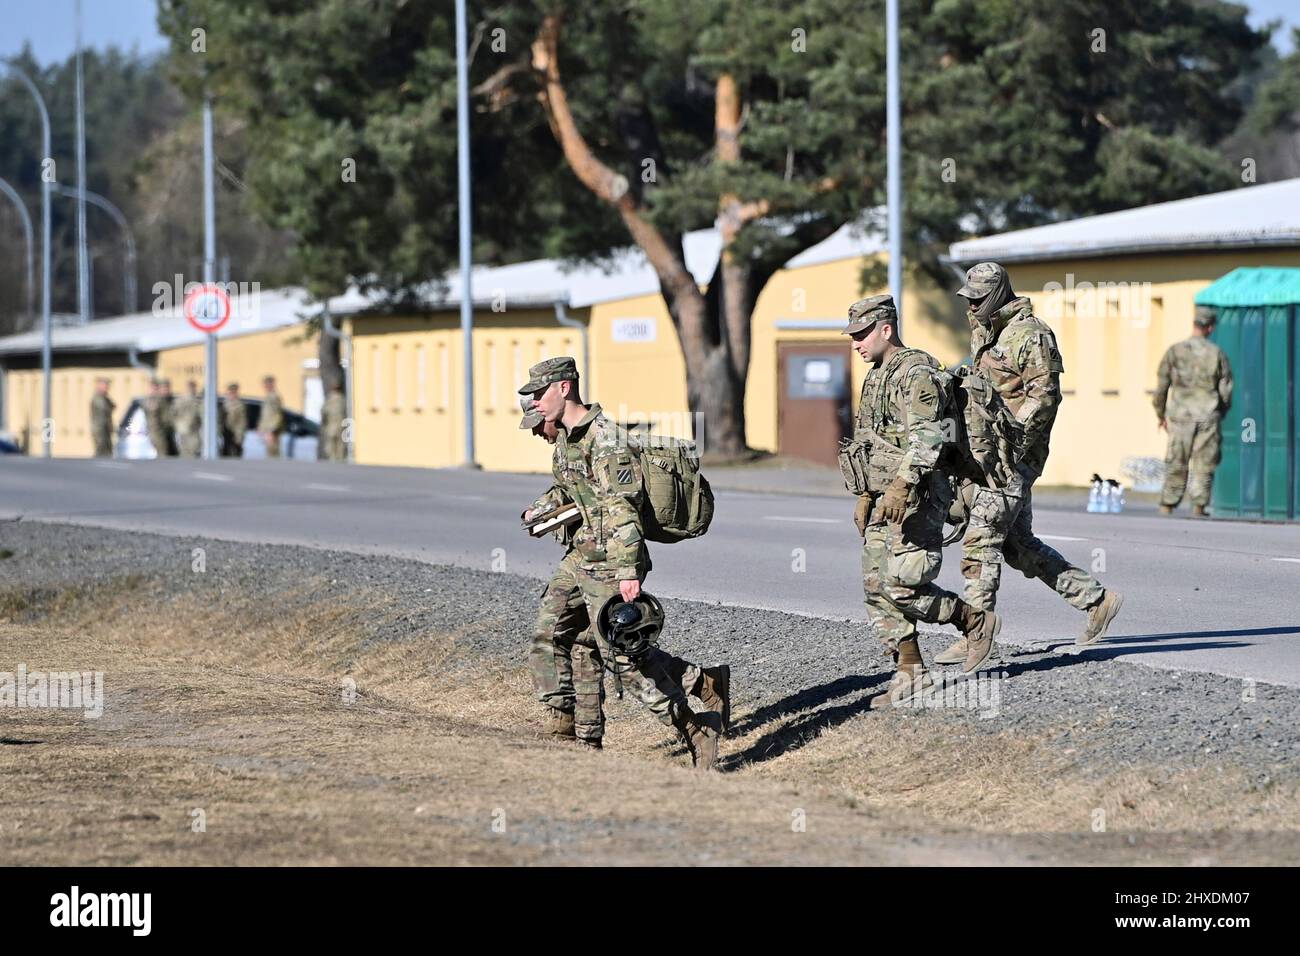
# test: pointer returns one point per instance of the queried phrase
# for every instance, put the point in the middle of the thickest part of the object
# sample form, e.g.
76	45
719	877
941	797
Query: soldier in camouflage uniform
101	419
270	422
1017	352
1193	393
158	417
905	398
234	423
595	469
187	414
565	661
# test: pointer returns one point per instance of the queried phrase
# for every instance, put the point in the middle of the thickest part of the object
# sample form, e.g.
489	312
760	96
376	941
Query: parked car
300	439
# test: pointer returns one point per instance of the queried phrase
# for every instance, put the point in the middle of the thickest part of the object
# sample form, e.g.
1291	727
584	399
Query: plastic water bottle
1094	496
1116	497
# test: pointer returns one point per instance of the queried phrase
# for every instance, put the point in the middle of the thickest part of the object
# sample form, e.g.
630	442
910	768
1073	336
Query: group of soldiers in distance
175	423
913	474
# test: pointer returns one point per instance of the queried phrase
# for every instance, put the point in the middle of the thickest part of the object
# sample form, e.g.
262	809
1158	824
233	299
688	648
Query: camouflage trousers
899	564
191	444
103	444
1001	528
1190	460
567	656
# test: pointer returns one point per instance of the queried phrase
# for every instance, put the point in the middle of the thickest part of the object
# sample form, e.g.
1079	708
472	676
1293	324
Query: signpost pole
209	275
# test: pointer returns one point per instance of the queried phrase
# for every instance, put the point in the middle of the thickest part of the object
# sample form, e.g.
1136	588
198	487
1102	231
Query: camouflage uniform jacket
187	414
595	468
1194	383
272	416
101	412
1024	365
904	400
235	417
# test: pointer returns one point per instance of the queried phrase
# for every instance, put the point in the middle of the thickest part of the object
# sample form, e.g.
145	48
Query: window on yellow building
1067	341
444	377
421	380
1155	341
1112	331
377	379
399	380
490	359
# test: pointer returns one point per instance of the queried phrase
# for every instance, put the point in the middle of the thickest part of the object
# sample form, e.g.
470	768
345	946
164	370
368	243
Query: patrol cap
981	279
865	313
1206	315
532	417
562	368
232	387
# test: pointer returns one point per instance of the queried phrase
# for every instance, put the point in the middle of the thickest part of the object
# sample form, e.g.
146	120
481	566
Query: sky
48	25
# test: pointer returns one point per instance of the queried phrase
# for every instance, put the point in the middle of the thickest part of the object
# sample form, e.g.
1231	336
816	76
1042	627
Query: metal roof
1253	286
1266	215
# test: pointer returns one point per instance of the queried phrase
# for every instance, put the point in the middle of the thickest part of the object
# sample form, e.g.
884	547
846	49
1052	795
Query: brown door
813	404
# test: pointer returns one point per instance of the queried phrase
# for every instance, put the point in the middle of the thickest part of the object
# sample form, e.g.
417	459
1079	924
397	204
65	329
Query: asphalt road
1221	597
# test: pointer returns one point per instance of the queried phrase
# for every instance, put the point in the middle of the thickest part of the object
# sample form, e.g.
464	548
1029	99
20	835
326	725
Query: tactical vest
869	460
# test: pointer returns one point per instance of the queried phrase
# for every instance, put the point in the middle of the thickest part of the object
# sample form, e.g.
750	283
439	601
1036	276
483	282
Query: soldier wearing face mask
1017	352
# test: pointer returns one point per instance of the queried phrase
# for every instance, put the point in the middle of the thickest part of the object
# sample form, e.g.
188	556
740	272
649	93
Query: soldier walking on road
1017	353
1193	393
234	423
596	469
271	421
187	415
101	419
899	440
332	416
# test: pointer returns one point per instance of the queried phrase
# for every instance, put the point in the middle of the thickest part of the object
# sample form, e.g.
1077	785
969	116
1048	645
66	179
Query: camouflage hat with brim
532	417
865	313
1206	315
562	368
982	279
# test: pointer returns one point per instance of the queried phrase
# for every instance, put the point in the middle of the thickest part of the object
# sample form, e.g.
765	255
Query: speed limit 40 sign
207	307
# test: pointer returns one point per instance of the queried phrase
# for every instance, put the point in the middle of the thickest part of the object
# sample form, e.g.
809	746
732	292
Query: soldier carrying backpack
606	475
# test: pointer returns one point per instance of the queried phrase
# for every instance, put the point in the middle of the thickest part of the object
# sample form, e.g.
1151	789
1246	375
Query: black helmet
631	627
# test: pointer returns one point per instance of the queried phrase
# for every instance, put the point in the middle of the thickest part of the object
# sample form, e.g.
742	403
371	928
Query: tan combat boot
714	691
906	684
1199	511
975	646
700	734
1099	617
1166	509
559	723
591	743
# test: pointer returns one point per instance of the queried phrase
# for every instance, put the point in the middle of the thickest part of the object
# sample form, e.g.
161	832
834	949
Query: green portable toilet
1259	476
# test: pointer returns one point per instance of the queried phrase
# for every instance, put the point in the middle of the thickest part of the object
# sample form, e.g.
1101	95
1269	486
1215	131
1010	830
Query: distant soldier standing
158	415
234	423
101	419
187	415
595	468
1017	352
1193	393
332	416
901	513
271	422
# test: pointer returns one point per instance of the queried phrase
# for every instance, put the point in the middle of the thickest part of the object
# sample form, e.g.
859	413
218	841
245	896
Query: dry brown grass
240	710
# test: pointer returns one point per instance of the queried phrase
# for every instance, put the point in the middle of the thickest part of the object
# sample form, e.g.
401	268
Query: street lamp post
129	283
27	234
47	175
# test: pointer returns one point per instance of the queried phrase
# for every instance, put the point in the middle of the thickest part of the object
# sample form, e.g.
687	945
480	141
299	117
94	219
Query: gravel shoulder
322	707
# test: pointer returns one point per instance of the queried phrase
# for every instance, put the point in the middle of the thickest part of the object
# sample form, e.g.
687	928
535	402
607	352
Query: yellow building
1118	290
264	336
407	402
